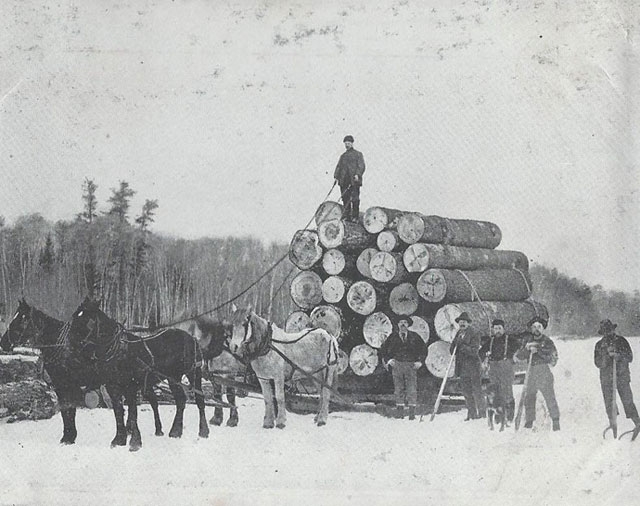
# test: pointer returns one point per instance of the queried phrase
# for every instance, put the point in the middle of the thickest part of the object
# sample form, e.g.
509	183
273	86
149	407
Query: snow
357	458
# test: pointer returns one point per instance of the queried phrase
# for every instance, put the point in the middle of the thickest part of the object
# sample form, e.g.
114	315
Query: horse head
213	336
251	333
85	329
22	328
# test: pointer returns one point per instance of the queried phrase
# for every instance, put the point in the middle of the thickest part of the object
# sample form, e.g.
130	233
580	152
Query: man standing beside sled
613	347
348	175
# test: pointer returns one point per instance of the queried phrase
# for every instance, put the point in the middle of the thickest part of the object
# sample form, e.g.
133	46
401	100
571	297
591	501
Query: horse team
92	349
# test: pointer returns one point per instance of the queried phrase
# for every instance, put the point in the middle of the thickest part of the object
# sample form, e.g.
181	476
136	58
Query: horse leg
135	443
216	419
196	383
180	399
269	413
68	413
153	401
281	419
115	392
231	399
325	395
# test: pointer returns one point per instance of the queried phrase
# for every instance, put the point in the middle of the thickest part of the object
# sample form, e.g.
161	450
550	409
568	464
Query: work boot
412	412
555	424
510	410
528	424
399	412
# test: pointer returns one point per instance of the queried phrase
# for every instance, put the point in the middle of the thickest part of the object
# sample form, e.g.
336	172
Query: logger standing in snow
615	347
544	354
499	351
348	174
404	351
468	367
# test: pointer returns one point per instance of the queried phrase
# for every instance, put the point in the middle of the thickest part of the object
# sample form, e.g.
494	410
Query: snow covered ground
358	458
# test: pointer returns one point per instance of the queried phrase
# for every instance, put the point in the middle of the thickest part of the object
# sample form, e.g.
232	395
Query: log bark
335	288
516	315
389	240
305	250
19	367
420	257
363	359
363	260
388	267
416	227
329	210
376	219
306	289
445	285
297	321
346	234
421	327
335	262
30	399
404	299
438	357
329	318
376	329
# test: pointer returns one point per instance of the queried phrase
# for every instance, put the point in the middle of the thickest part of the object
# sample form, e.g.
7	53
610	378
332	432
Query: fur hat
348	138
606	326
463	316
538	319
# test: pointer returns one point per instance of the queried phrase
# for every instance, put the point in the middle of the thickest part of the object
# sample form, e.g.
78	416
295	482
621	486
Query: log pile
357	280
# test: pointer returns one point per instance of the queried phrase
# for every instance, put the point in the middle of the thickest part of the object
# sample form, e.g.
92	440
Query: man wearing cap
404	352
543	354
348	175
615	347
499	351
466	345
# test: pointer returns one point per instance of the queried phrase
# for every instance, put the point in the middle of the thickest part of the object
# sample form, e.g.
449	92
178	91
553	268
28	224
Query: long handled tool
523	394
442	385
613	408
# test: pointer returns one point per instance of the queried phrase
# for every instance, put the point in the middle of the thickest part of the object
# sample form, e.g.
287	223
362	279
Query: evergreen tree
120	201
90	201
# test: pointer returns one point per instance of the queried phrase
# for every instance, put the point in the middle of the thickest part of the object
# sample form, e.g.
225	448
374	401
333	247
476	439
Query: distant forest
143	278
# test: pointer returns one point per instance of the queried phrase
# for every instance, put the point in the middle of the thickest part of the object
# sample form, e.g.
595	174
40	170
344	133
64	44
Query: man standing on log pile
348	175
466	344
404	351
499	351
615	347
543	354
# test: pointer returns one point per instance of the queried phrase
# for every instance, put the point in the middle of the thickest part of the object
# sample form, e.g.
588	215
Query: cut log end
376	329
363	360
297	321
438	358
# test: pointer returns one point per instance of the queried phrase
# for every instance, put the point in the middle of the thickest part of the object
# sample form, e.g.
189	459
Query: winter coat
547	352
351	163
467	345
412	349
501	348
604	362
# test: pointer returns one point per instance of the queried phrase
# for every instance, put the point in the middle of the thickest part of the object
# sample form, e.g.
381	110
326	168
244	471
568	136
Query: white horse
265	345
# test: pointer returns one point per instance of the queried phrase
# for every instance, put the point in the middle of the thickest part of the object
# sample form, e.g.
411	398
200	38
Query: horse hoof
216	421
204	434
159	433
281	426
232	422
135	447
267	426
64	441
321	423
175	434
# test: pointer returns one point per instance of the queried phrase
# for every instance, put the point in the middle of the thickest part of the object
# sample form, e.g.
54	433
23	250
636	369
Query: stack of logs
358	279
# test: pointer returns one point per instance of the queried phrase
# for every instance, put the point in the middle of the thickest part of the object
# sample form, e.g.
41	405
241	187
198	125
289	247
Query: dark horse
212	336
127	362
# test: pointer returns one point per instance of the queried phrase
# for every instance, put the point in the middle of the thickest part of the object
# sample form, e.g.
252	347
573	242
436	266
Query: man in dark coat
466	345
348	174
404	352
615	347
499	351
544	354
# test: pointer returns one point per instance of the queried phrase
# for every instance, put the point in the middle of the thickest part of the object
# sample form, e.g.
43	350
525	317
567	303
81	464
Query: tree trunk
421	327
347	234
336	262
363	261
438	357
376	219
389	240
438	285
363	360
516	316
335	288
328	318
362	298
388	267
328	210
297	321
416	227
305	249
306	289
376	329
404	299
420	257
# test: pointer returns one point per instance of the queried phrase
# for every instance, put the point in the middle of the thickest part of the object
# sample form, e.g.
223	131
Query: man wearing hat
543	354
466	344
404	352
499	351
348	174
615	347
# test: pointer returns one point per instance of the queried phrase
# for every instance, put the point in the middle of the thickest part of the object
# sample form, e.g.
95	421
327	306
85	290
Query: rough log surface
305	250
297	321
377	219
306	289
421	327
388	267
19	367
336	262
404	299
30	399
363	261
335	288
438	357
376	329
328	210
363	359
362	298
419	257
416	227
346	234
329	318
389	240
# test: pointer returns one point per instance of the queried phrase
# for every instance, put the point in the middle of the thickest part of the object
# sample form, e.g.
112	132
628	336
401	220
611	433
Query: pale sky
232	115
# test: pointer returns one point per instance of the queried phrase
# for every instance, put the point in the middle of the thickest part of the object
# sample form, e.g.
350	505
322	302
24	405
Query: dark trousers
540	379
471	386
351	202
626	396
501	373
405	383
